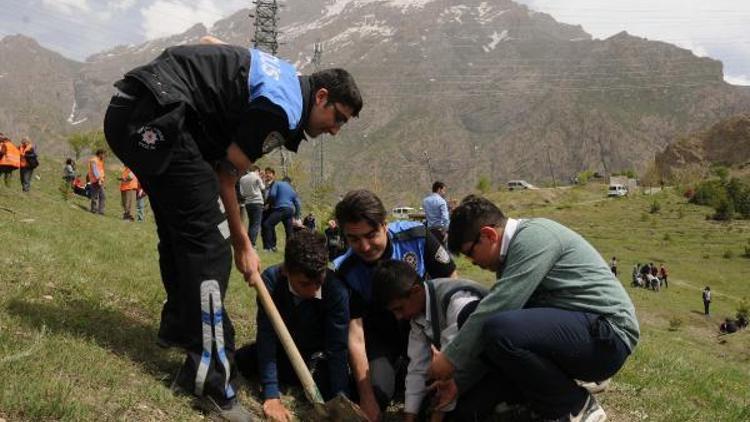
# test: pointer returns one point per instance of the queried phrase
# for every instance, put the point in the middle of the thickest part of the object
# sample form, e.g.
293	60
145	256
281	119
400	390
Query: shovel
339	408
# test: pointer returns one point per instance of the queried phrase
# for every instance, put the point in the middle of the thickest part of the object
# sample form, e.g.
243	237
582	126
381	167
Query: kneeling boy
314	305
555	314
437	309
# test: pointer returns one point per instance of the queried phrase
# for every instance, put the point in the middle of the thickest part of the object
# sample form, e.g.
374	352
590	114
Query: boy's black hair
361	205
306	253
391	280
469	217
340	86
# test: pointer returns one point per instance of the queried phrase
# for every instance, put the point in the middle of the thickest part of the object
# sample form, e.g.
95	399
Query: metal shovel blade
341	409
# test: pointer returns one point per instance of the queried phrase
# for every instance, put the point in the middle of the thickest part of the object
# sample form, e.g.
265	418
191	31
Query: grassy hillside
80	297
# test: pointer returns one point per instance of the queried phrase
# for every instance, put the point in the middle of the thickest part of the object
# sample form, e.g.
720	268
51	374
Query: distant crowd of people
650	277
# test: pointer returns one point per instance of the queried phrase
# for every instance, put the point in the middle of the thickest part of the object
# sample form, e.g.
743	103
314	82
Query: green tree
79	142
484	185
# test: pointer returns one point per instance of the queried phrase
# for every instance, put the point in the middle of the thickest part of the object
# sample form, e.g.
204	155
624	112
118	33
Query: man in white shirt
251	188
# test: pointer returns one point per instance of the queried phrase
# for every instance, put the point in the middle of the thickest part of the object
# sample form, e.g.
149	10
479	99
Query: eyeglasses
340	118
470	252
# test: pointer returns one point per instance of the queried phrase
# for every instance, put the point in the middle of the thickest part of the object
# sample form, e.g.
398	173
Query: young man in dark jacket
314	305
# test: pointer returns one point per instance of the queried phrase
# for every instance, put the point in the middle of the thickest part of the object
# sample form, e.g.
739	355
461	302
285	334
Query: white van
617	190
519	184
402	213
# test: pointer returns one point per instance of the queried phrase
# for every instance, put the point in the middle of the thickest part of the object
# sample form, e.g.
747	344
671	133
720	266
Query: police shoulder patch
273	140
442	256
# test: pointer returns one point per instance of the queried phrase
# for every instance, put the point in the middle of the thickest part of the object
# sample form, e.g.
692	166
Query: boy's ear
490	233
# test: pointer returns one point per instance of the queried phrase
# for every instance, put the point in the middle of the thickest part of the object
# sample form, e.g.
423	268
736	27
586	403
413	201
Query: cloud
716	28
169	17
67	7
738	79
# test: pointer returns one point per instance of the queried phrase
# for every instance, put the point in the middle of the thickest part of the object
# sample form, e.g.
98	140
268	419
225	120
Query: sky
79	28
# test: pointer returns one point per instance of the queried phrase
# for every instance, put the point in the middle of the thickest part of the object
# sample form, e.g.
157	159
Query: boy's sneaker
595	387
591	412
232	411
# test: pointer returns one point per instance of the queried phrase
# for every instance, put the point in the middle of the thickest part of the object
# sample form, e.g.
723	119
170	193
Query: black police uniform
171	122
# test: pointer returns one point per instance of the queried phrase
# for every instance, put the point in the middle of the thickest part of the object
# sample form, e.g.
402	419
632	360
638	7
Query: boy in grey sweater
436	310
555	314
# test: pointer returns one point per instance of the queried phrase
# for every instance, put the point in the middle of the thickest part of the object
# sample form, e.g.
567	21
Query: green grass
80	297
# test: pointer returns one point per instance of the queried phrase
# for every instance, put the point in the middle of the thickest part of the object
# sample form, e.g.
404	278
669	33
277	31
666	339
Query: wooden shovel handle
305	378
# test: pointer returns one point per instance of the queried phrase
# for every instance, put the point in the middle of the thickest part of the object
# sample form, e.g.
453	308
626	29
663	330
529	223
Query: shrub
675	323
484	185
743	308
728	254
709	193
724	210
667	237
655	207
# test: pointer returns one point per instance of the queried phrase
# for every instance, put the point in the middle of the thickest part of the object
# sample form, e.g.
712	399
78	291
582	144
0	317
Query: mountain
37	91
726	143
477	89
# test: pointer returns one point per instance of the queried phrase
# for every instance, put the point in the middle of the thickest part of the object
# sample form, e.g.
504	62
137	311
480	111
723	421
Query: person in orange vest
10	158
128	188
96	178
29	161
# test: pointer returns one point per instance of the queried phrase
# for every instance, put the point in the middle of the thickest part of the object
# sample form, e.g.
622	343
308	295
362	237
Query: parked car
402	213
617	190
520	184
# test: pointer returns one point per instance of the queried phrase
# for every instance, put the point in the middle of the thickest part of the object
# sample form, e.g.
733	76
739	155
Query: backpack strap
481	292
434	316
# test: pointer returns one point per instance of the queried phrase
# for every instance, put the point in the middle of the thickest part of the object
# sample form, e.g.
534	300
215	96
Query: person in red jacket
128	188
10	158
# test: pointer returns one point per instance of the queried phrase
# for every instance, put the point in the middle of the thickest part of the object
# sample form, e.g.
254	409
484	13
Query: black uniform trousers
194	252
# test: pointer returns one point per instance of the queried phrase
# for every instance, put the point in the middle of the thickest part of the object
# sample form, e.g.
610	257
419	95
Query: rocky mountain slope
476	89
726	143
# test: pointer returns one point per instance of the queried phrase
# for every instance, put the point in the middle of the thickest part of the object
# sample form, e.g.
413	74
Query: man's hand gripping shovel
340	408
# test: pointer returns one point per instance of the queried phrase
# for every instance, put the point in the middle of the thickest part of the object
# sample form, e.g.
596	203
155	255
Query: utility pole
266	38
316	59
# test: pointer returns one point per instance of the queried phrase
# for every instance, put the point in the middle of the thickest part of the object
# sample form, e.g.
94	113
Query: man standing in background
128	189
251	188
29	161
436	212
96	178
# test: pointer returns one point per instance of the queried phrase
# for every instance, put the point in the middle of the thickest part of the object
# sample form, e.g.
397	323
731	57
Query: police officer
376	367
188	124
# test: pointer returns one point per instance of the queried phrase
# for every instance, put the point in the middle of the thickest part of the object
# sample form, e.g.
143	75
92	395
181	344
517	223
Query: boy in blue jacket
314	305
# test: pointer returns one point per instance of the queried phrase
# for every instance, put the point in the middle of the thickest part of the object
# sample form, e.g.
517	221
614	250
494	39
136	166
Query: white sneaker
591	412
595	387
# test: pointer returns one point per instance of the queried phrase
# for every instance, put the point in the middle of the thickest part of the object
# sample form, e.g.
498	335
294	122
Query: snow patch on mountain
495	39
338	6
487	13
453	13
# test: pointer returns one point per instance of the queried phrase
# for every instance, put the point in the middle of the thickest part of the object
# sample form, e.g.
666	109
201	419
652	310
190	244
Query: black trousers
537	354
194	251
